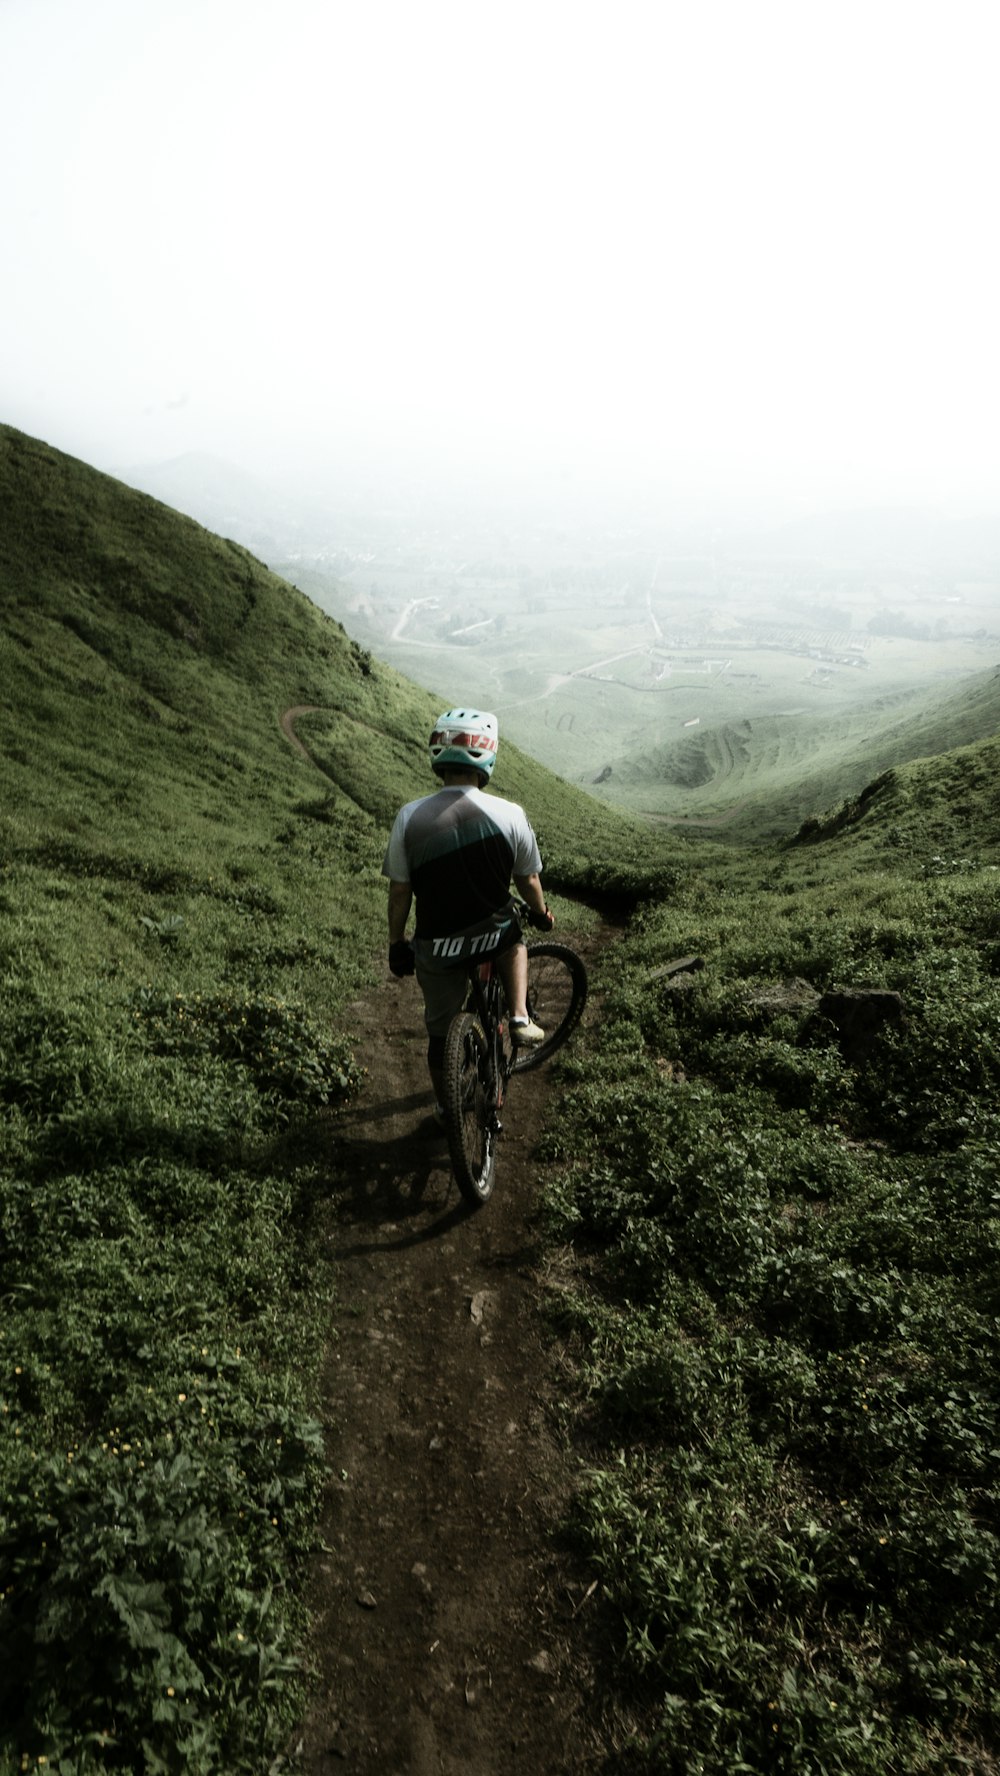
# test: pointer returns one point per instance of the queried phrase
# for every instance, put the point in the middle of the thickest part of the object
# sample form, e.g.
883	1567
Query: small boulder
859	1015
680	966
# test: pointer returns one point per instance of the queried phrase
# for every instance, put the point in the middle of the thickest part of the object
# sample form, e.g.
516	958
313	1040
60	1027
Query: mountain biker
455	851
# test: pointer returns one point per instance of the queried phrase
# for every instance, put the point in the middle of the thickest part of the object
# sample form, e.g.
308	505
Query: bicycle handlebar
538	921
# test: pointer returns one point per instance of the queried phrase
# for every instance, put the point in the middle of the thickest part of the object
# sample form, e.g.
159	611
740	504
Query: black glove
401	958
540	921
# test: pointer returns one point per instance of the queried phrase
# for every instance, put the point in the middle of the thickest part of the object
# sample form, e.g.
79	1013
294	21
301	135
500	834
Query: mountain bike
480	1057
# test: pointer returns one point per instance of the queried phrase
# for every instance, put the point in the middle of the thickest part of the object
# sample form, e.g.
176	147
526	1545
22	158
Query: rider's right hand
401	958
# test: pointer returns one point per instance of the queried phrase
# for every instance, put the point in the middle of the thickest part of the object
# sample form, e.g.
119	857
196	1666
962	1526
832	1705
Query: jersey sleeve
395	864
527	858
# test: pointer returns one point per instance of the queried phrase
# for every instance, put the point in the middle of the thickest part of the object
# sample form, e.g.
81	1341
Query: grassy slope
780	770
186	905
783	1299
948	803
148	663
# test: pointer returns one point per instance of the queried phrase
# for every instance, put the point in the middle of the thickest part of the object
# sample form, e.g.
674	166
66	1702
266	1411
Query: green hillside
771	1203
949	803
757	779
186	906
783	1294
148	663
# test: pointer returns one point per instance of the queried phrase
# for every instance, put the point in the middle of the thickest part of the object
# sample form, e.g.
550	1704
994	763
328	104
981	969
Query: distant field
670	699
694	664
604	697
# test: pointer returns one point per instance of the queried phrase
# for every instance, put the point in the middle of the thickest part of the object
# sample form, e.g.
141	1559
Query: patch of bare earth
450	1627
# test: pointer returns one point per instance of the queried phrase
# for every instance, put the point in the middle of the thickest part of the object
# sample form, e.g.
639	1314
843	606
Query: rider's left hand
401	958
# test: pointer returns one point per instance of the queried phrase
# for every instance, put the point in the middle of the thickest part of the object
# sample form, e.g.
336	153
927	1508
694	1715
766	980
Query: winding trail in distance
287	724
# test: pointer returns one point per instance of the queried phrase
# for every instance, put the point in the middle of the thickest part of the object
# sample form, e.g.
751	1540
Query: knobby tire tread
557	988
467	1108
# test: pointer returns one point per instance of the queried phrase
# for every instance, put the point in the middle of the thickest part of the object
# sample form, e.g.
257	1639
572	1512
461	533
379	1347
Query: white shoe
522	1030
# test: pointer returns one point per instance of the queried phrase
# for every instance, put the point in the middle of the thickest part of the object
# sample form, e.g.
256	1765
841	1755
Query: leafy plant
783	1318
279	1045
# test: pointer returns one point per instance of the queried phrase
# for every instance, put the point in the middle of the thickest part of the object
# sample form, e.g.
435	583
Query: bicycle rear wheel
557	994
469	1102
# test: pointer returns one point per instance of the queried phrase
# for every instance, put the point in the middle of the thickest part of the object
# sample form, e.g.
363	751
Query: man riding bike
455	852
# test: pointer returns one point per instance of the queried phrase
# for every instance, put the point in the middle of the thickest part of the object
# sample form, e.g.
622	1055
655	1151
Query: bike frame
480	1055
486	999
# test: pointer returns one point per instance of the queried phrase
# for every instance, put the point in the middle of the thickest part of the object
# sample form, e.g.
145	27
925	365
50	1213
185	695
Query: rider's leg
444	994
513	966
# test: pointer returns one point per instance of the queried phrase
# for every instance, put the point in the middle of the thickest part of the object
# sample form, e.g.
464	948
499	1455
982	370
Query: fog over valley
660	659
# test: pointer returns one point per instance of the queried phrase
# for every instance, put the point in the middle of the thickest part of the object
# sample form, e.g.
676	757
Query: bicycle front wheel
557	994
470	1108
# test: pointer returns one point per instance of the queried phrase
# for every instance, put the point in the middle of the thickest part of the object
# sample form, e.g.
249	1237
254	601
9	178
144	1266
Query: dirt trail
450	1631
287	721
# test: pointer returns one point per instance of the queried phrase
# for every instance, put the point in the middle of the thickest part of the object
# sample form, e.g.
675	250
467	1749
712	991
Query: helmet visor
475	745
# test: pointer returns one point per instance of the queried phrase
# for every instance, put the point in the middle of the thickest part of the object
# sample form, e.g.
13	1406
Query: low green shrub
784	1321
132	1613
280	1046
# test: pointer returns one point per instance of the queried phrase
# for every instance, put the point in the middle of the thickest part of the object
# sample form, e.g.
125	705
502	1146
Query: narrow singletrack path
450	1624
287	721
450	1633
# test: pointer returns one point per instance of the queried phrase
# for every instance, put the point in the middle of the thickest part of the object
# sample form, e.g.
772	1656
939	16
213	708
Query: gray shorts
442	964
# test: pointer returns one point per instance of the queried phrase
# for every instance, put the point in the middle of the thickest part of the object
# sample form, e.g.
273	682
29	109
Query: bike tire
557	994
469	1093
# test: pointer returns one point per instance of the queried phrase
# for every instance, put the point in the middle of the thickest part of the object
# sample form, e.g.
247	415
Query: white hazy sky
722	245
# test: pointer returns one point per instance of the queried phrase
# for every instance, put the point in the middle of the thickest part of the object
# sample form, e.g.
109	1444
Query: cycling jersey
458	849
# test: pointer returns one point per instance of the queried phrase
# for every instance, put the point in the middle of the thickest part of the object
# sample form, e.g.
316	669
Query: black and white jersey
458	850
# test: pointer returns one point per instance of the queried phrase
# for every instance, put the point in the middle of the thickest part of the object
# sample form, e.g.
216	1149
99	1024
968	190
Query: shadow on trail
383	1183
381	1112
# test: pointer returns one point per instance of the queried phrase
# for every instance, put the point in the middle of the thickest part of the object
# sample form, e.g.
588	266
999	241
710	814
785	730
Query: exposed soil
452	1630
453	1633
287	722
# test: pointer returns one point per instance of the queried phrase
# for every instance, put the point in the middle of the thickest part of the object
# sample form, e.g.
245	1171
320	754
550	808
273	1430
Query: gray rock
859	1015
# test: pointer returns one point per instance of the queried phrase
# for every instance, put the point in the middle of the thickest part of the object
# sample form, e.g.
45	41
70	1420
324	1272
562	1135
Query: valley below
676	665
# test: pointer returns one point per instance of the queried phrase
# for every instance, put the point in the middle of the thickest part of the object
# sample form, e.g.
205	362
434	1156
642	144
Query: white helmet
465	739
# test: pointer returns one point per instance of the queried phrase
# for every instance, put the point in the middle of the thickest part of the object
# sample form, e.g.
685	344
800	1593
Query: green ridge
764	775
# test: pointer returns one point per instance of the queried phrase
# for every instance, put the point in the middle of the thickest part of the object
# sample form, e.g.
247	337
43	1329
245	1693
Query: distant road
552	683
556	680
413	605
595	665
